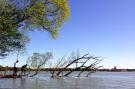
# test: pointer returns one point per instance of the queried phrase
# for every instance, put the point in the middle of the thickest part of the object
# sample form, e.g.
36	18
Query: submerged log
10	76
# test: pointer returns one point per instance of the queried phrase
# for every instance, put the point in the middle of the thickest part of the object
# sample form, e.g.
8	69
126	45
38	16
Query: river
98	80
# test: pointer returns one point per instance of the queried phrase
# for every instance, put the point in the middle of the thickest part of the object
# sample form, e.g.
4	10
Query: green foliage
40	14
10	43
16	15
38	60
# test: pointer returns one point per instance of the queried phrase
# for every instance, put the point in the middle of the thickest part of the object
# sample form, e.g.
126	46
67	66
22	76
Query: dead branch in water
91	67
77	68
71	64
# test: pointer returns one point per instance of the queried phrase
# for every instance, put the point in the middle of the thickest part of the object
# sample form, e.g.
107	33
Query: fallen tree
87	62
92	67
69	64
64	67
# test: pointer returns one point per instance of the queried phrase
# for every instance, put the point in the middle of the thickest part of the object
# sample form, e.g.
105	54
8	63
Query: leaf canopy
18	15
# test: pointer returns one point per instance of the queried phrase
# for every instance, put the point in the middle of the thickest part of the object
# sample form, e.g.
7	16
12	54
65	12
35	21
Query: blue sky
101	27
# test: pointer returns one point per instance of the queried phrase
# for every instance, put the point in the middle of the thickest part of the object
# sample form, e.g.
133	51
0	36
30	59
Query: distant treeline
44	69
67	69
116	70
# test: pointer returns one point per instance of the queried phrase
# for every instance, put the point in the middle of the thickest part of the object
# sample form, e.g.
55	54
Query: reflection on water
99	80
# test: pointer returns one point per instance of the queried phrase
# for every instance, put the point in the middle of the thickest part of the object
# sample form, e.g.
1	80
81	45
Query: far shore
68	69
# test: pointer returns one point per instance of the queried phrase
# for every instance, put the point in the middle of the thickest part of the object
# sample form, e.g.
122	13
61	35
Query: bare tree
59	64
84	62
69	64
92	67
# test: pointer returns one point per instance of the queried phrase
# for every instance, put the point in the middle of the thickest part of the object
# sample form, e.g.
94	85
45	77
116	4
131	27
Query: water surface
98	80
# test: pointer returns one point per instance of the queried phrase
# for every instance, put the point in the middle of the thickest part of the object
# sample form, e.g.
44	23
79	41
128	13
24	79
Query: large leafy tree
18	15
9	42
